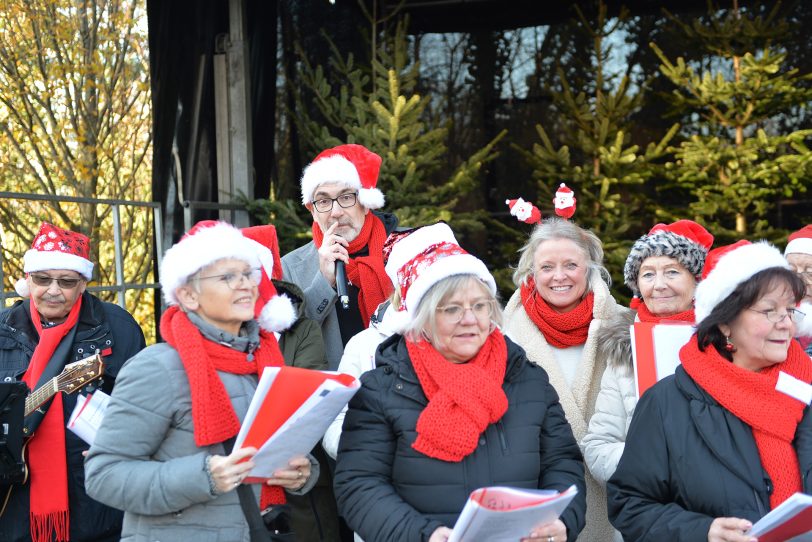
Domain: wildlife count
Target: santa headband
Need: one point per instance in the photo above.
(425, 257)
(800, 242)
(684, 240)
(209, 241)
(727, 267)
(350, 165)
(56, 248)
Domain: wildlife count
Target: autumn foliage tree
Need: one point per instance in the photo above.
(75, 121)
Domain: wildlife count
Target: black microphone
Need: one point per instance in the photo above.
(341, 284)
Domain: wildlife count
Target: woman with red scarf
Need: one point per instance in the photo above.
(662, 271)
(452, 406)
(160, 454)
(561, 303)
(714, 447)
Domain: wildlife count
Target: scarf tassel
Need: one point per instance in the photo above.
(42, 525)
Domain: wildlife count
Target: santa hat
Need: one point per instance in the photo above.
(274, 311)
(207, 242)
(564, 201)
(684, 240)
(56, 248)
(727, 267)
(800, 242)
(352, 165)
(422, 259)
(524, 210)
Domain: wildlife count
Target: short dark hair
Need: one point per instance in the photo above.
(743, 297)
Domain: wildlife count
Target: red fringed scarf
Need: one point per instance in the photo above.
(366, 272)
(464, 398)
(645, 315)
(212, 413)
(561, 330)
(48, 509)
(752, 397)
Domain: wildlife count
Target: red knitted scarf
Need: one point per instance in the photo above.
(213, 415)
(48, 505)
(561, 330)
(366, 272)
(645, 315)
(752, 397)
(464, 398)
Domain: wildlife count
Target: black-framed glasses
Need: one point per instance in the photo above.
(453, 313)
(46, 280)
(325, 205)
(234, 280)
(776, 317)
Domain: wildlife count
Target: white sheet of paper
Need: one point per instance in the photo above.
(783, 513)
(301, 432)
(87, 415)
(477, 523)
(795, 388)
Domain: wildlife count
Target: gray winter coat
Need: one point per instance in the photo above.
(145, 460)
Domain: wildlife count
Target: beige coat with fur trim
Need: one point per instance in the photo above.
(578, 401)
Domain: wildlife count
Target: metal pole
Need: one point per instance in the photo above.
(122, 302)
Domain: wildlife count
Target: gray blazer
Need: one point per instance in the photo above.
(145, 460)
(301, 267)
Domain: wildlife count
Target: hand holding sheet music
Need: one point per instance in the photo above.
(289, 413)
(507, 514)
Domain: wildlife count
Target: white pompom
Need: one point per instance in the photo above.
(278, 314)
(21, 287)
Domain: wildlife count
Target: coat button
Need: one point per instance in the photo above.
(482, 441)
(398, 386)
(8, 379)
(387, 370)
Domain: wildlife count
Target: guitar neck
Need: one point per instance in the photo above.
(38, 397)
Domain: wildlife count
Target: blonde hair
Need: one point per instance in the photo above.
(551, 229)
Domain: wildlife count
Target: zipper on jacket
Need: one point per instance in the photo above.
(761, 511)
(500, 430)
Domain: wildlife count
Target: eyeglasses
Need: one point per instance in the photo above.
(344, 201)
(46, 280)
(775, 317)
(454, 313)
(234, 280)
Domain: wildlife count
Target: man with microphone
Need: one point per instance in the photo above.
(341, 271)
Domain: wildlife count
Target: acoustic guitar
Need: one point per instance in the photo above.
(73, 377)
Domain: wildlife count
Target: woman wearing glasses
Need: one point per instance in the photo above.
(162, 453)
(724, 440)
(451, 407)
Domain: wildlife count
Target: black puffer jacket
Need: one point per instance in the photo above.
(387, 491)
(101, 327)
(687, 461)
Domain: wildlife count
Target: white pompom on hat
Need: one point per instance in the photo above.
(351, 165)
(274, 311)
(56, 248)
(423, 258)
(727, 267)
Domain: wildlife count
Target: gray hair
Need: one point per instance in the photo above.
(424, 321)
(554, 228)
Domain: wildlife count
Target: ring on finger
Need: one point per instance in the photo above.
(551, 538)
(301, 474)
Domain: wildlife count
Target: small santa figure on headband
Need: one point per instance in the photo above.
(524, 210)
(564, 201)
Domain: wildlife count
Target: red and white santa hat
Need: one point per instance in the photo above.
(351, 165)
(800, 242)
(421, 259)
(56, 248)
(209, 241)
(274, 311)
(727, 267)
(524, 211)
